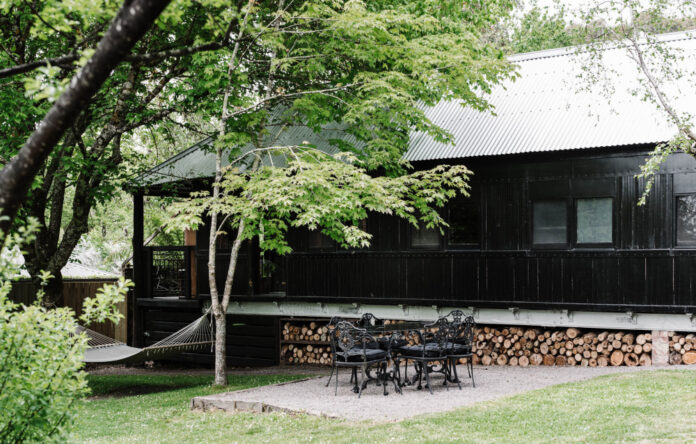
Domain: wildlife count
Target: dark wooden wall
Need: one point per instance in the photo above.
(247, 274)
(642, 270)
(251, 340)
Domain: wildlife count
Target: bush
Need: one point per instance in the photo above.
(41, 359)
(40, 377)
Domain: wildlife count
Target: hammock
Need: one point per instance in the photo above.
(103, 349)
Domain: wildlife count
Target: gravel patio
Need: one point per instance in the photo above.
(311, 396)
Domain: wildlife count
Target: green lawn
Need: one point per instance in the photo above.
(644, 406)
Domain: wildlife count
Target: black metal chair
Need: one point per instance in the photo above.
(354, 349)
(430, 351)
(369, 320)
(460, 345)
(332, 330)
(455, 316)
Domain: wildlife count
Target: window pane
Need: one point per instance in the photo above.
(686, 220)
(425, 237)
(594, 221)
(549, 222)
(464, 222)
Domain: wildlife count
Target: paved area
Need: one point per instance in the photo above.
(312, 397)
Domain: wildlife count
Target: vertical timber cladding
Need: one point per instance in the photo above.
(75, 291)
(251, 340)
(246, 276)
(642, 269)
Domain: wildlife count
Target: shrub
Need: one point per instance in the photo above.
(40, 358)
(40, 377)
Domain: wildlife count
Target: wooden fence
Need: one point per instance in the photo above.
(75, 291)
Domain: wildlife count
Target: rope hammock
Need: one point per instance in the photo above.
(103, 349)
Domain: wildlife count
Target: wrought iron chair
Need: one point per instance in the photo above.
(430, 351)
(460, 345)
(353, 351)
(455, 316)
(332, 330)
(368, 320)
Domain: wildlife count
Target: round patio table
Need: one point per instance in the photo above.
(394, 375)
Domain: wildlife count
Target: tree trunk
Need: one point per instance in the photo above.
(220, 347)
(133, 20)
(53, 291)
(220, 306)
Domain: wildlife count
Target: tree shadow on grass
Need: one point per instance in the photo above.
(114, 386)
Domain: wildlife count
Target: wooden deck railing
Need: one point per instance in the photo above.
(167, 272)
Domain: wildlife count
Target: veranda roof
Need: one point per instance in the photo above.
(545, 109)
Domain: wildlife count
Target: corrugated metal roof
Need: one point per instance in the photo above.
(198, 161)
(542, 110)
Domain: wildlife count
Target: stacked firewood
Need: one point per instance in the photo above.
(518, 346)
(311, 332)
(514, 346)
(315, 351)
(682, 348)
(306, 354)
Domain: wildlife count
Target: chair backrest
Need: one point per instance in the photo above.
(455, 316)
(332, 331)
(436, 334)
(369, 320)
(334, 321)
(348, 337)
(463, 332)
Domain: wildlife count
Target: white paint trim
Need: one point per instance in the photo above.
(511, 316)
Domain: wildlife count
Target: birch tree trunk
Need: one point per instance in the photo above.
(219, 308)
(220, 345)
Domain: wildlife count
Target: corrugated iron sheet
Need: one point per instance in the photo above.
(544, 109)
(199, 160)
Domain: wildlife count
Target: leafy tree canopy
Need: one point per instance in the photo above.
(368, 65)
(43, 44)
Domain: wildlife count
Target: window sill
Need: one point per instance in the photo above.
(594, 248)
(463, 246)
(544, 247)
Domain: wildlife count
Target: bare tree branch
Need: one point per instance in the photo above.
(68, 60)
(267, 99)
(662, 99)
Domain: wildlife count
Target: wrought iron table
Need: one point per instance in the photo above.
(394, 374)
(392, 337)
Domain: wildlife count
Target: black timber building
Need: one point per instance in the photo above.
(552, 234)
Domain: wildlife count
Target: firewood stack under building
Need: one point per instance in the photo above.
(306, 341)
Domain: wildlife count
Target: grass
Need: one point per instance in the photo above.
(657, 406)
(152, 408)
